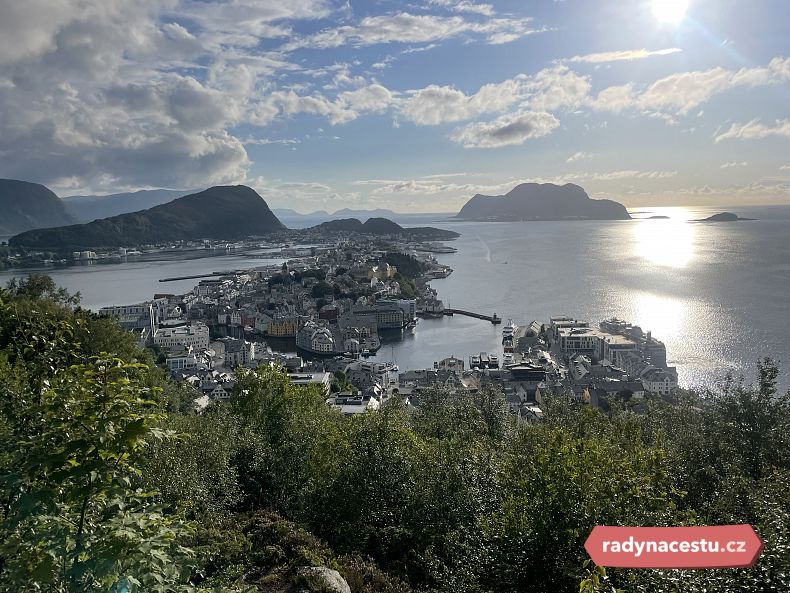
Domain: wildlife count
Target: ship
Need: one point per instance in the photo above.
(507, 359)
(483, 360)
(509, 330)
(493, 361)
(474, 362)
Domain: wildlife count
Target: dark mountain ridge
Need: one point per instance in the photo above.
(221, 212)
(542, 201)
(25, 206)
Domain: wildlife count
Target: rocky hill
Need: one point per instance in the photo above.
(25, 205)
(221, 212)
(542, 201)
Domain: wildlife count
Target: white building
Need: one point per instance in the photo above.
(238, 352)
(354, 404)
(183, 337)
(315, 338)
(322, 380)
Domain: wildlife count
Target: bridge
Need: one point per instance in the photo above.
(490, 318)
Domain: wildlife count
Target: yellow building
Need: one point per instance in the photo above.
(285, 327)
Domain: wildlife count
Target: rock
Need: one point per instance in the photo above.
(321, 578)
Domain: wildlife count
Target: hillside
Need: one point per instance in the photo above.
(87, 208)
(222, 212)
(542, 201)
(383, 226)
(27, 206)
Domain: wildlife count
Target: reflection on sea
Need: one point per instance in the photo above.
(667, 242)
(660, 314)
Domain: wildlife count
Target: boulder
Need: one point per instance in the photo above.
(321, 578)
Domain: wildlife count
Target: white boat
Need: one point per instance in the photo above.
(507, 359)
(474, 362)
(493, 361)
(366, 352)
(483, 360)
(510, 329)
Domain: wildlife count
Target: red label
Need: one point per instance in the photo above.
(725, 546)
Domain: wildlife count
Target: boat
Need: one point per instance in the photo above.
(483, 360)
(366, 352)
(509, 330)
(507, 359)
(493, 361)
(507, 344)
(474, 362)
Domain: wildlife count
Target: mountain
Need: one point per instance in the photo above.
(291, 213)
(542, 201)
(378, 213)
(25, 205)
(228, 212)
(383, 226)
(87, 208)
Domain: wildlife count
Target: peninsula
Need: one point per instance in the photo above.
(542, 201)
(220, 212)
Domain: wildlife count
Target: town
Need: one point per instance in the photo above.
(323, 313)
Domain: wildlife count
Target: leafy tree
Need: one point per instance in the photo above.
(41, 287)
(72, 520)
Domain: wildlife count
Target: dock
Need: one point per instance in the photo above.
(211, 275)
(495, 319)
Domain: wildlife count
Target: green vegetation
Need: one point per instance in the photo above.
(109, 482)
(407, 265)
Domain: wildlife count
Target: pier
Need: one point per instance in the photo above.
(211, 275)
(490, 318)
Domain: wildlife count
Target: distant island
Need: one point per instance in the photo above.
(221, 212)
(542, 201)
(383, 226)
(25, 206)
(722, 217)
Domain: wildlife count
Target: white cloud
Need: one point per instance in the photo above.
(548, 90)
(441, 104)
(754, 130)
(733, 164)
(578, 156)
(465, 6)
(682, 92)
(410, 28)
(506, 130)
(622, 55)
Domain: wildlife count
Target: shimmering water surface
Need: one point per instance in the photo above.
(717, 294)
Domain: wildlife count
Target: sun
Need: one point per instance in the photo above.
(670, 11)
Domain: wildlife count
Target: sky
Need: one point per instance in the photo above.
(413, 106)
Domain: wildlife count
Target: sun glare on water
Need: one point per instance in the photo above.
(670, 11)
